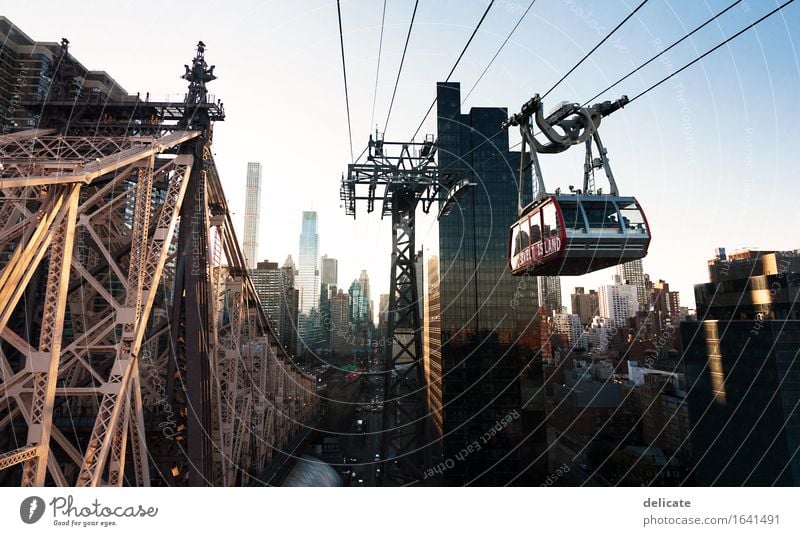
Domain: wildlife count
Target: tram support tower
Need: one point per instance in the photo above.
(400, 183)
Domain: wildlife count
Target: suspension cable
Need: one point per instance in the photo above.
(458, 60)
(378, 68)
(400, 70)
(679, 41)
(617, 27)
(344, 72)
(514, 29)
(684, 67)
(726, 41)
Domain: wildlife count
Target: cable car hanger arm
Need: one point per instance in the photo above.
(578, 124)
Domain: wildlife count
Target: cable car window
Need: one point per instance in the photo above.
(549, 220)
(602, 216)
(514, 239)
(520, 237)
(632, 217)
(573, 216)
(536, 228)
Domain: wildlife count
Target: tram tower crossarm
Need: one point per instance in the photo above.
(412, 172)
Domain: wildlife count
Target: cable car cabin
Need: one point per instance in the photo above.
(577, 234)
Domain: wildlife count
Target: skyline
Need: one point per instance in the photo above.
(581, 281)
(696, 160)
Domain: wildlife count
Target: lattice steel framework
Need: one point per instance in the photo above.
(400, 183)
(133, 348)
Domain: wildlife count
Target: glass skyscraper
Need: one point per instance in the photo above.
(307, 281)
(490, 364)
(252, 206)
(357, 313)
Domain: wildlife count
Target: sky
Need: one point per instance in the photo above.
(708, 154)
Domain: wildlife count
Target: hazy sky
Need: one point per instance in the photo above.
(708, 154)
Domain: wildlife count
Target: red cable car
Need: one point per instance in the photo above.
(580, 232)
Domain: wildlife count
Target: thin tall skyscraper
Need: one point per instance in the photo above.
(366, 306)
(308, 280)
(252, 207)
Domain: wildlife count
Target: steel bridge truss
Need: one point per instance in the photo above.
(133, 347)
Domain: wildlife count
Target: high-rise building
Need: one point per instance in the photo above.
(252, 208)
(341, 342)
(358, 313)
(291, 271)
(586, 306)
(371, 312)
(742, 363)
(330, 271)
(292, 306)
(271, 286)
(308, 283)
(632, 273)
(674, 302)
(618, 302)
(759, 270)
(660, 398)
(664, 305)
(570, 328)
(27, 75)
(366, 298)
(383, 309)
(360, 303)
(359, 307)
(383, 319)
(432, 346)
(491, 371)
(323, 331)
(550, 293)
